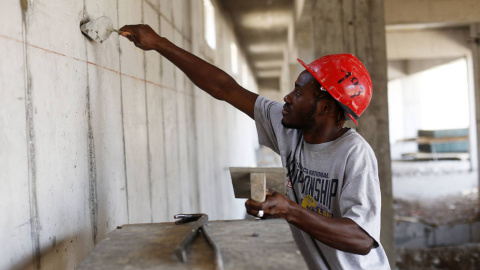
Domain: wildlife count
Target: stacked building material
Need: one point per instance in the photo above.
(443, 141)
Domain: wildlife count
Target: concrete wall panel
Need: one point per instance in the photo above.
(58, 92)
(172, 166)
(154, 98)
(14, 225)
(134, 119)
(166, 9)
(61, 156)
(190, 151)
(179, 11)
(107, 155)
(184, 167)
(117, 135)
(206, 180)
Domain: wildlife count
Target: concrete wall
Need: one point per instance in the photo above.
(93, 135)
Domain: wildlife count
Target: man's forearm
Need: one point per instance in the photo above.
(339, 233)
(211, 79)
(204, 75)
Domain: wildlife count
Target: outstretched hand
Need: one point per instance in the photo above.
(275, 205)
(142, 35)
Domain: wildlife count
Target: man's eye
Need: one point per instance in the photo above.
(297, 93)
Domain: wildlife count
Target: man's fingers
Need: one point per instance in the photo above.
(251, 204)
(125, 28)
(131, 37)
(128, 35)
(270, 192)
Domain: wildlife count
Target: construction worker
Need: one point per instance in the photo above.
(333, 192)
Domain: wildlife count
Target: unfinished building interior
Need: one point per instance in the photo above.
(98, 135)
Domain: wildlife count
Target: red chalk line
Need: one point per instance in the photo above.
(97, 65)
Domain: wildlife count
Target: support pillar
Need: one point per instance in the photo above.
(475, 47)
(358, 27)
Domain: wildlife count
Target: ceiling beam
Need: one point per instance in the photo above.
(431, 11)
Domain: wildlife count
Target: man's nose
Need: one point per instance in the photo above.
(287, 98)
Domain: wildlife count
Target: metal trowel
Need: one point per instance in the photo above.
(99, 29)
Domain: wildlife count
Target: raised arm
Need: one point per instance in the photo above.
(208, 77)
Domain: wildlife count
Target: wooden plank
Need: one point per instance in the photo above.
(436, 156)
(444, 133)
(15, 222)
(244, 244)
(436, 140)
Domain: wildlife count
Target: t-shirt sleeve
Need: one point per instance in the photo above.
(268, 120)
(361, 202)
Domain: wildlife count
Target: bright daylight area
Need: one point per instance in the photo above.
(434, 176)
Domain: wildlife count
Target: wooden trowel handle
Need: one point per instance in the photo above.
(258, 186)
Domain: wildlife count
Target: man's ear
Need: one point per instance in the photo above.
(325, 107)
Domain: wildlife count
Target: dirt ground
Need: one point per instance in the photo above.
(464, 257)
(446, 210)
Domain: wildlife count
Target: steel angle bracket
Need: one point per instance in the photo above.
(200, 221)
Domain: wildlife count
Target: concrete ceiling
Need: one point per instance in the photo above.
(261, 27)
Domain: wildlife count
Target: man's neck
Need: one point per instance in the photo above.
(322, 135)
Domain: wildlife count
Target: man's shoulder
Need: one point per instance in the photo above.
(265, 103)
(354, 141)
(268, 111)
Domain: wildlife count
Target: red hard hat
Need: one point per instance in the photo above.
(346, 80)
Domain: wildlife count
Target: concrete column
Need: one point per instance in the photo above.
(358, 27)
(475, 47)
(303, 37)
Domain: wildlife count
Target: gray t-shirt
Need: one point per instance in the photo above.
(335, 179)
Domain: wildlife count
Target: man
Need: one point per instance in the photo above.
(333, 193)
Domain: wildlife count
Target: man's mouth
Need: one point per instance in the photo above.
(285, 110)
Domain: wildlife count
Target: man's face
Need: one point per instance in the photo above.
(300, 104)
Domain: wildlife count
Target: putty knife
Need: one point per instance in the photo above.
(99, 29)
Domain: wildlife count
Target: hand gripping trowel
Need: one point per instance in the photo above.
(99, 29)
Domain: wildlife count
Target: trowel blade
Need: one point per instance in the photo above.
(99, 29)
